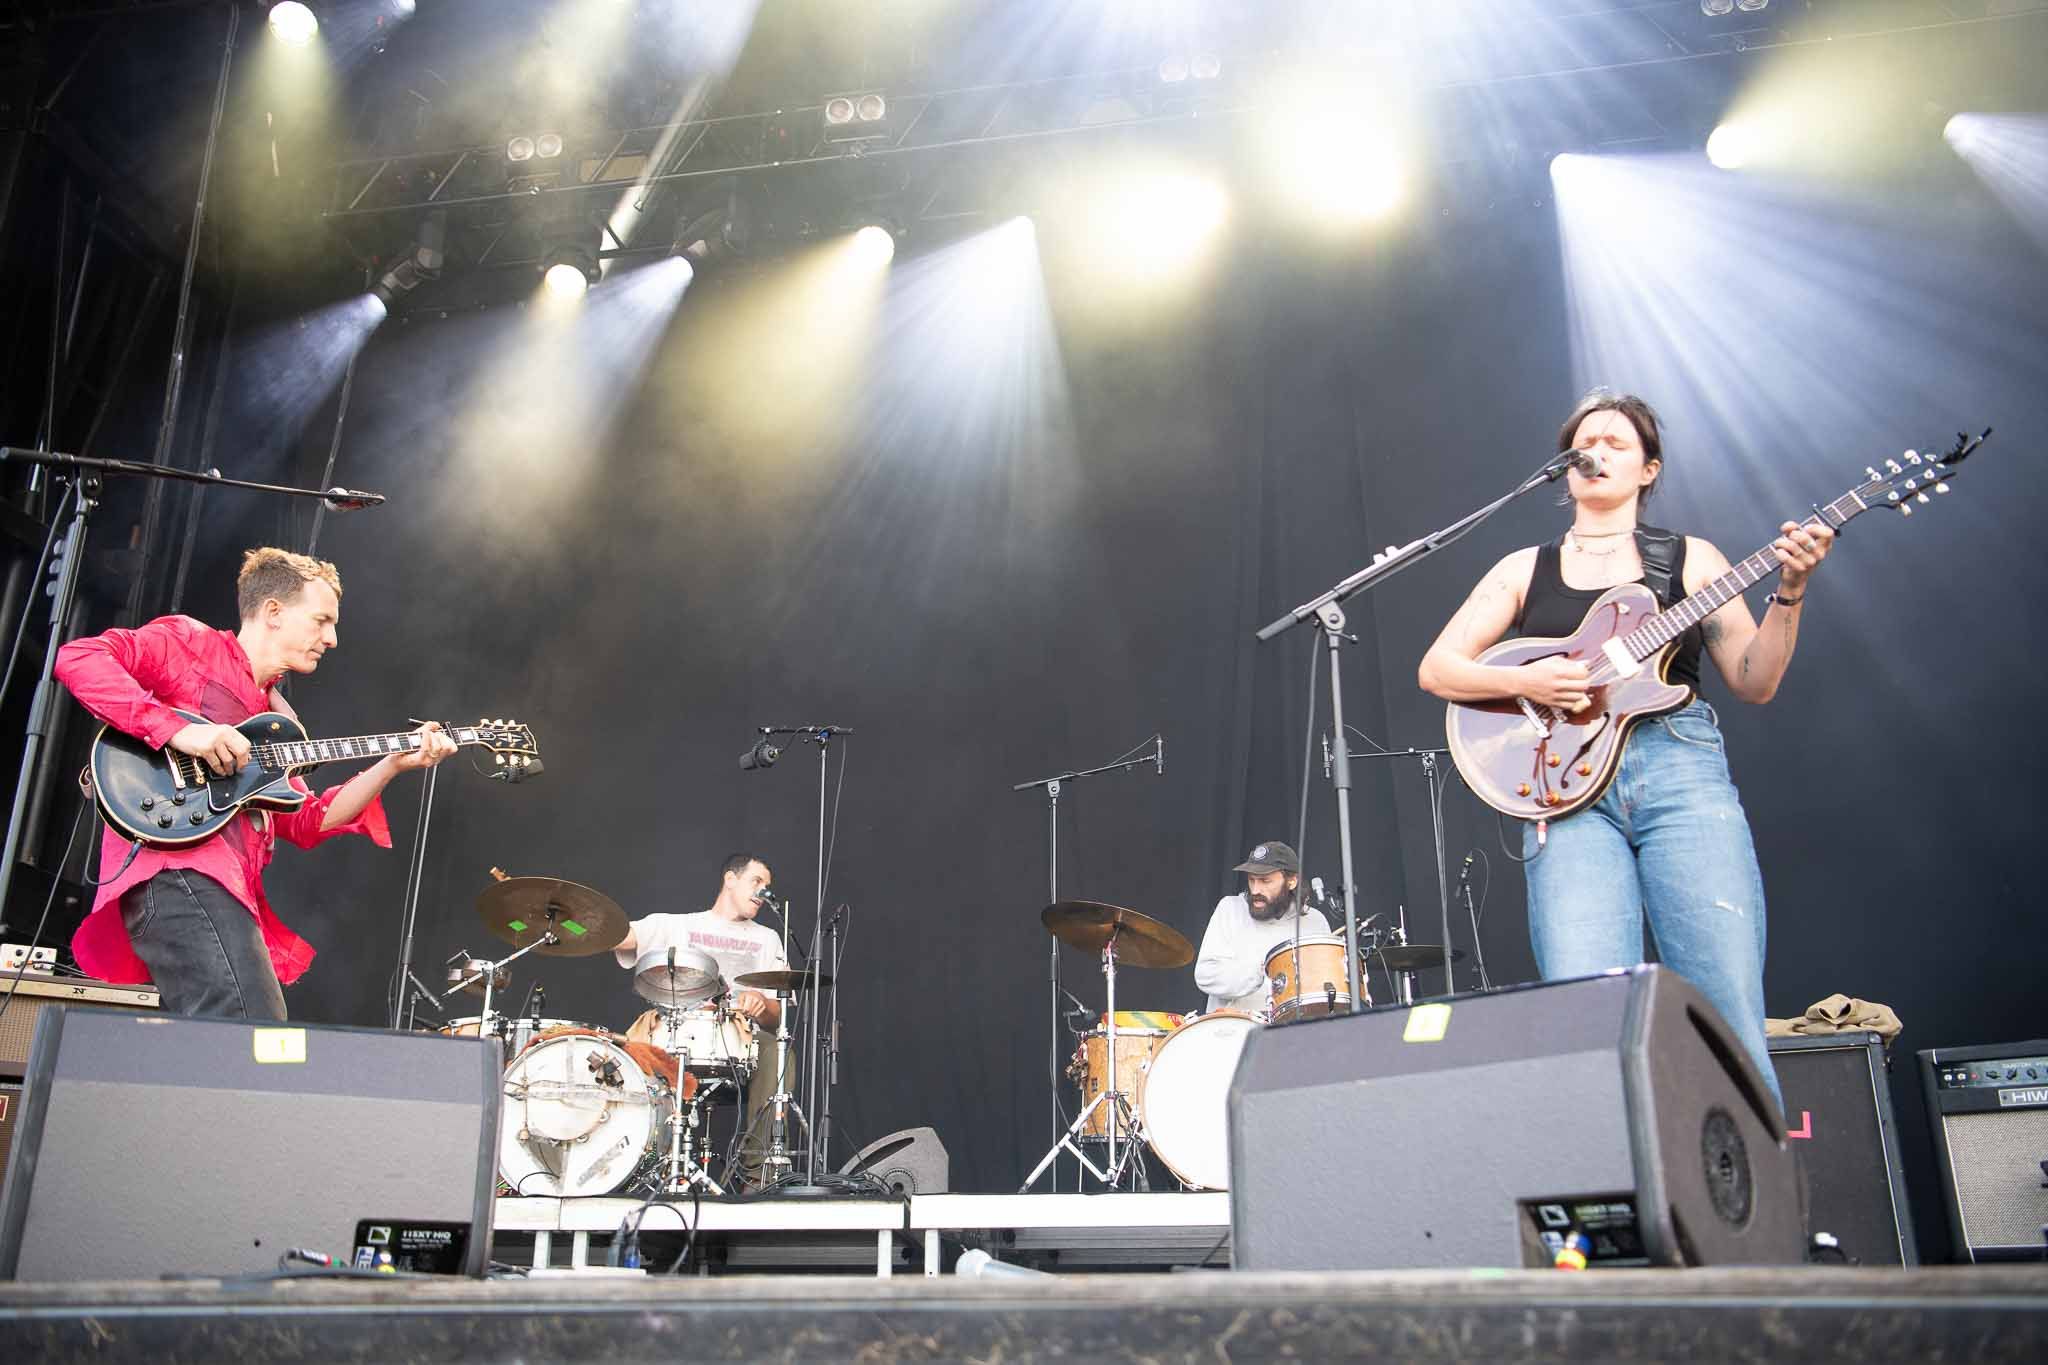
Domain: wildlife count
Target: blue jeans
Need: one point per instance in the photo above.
(202, 947)
(1668, 838)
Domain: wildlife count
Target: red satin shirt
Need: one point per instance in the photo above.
(131, 679)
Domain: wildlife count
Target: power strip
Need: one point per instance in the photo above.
(12, 955)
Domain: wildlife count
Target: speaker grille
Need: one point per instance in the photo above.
(1997, 1160)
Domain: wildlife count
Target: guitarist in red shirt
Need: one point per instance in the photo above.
(1668, 839)
(194, 919)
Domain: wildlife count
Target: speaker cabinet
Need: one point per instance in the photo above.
(1484, 1130)
(1839, 1121)
(1987, 1108)
(912, 1161)
(10, 1111)
(149, 1144)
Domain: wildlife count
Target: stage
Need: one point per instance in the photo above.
(1977, 1314)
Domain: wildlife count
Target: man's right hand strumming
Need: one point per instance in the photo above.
(223, 748)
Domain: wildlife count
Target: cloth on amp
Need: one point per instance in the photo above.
(1839, 1014)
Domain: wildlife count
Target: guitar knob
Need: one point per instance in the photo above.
(163, 821)
(1551, 798)
(1522, 789)
(178, 799)
(1585, 770)
(149, 803)
(198, 817)
(1552, 761)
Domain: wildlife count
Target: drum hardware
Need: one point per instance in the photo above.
(1141, 941)
(786, 984)
(1404, 959)
(580, 1112)
(676, 978)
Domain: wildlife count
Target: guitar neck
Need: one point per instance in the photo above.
(1673, 622)
(307, 753)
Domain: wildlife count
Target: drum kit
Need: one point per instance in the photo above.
(589, 1111)
(1163, 1080)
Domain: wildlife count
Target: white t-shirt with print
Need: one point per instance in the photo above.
(737, 946)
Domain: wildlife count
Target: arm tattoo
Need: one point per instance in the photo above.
(1710, 630)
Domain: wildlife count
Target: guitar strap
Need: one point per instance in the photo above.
(1659, 550)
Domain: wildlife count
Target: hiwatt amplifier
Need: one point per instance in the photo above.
(33, 994)
(150, 1144)
(1501, 1128)
(1987, 1108)
(1839, 1121)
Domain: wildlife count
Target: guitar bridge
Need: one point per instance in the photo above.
(1536, 720)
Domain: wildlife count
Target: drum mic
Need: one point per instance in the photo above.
(1315, 886)
(1326, 757)
(1465, 873)
(1159, 754)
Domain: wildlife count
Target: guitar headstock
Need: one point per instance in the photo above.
(1905, 483)
(515, 753)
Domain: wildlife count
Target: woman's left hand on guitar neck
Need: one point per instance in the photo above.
(1752, 658)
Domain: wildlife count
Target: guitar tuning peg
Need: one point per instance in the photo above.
(1922, 498)
(1912, 457)
(1905, 509)
(1871, 470)
(1941, 488)
(1894, 466)
(1912, 484)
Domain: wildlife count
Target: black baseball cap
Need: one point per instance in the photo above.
(1270, 856)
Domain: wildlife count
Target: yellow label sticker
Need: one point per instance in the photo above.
(279, 1044)
(1426, 1024)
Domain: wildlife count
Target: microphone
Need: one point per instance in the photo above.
(1159, 754)
(1326, 757)
(804, 729)
(540, 999)
(351, 500)
(976, 1264)
(766, 897)
(762, 755)
(1464, 873)
(1589, 463)
(1315, 886)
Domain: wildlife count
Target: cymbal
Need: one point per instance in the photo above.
(521, 910)
(780, 981)
(1141, 941)
(676, 977)
(1416, 957)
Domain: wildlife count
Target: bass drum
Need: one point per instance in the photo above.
(1185, 1095)
(580, 1116)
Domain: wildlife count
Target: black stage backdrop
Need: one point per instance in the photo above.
(985, 609)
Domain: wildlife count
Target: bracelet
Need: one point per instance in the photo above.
(1784, 601)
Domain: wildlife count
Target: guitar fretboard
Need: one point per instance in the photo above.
(1666, 626)
(306, 753)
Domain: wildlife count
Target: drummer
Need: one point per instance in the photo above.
(726, 932)
(1243, 928)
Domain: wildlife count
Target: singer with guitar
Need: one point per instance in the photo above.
(1667, 838)
(193, 917)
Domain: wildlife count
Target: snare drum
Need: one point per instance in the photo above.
(707, 1041)
(1184, 1097)
(580, 1117)
(1135, 1044)
(1308, 978)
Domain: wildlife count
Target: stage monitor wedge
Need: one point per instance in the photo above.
(1484, 1130)
(149, 1145)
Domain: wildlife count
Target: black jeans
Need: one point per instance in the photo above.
(202, 947)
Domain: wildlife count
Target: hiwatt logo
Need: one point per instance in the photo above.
(2008, 1099)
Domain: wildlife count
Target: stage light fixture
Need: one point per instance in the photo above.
(421, 263)
(1730, 146)
(570, 272)
(1714, 9)
(293, 23)
(870, 108)
(1173, 70)
(1752, 6)
(857, 116)
(547, 146)
(519, 149)
(838, 111)
(1205, 66)
(875, 244)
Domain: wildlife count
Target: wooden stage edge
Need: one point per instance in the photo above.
(1978, 1314)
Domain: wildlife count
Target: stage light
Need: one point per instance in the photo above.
(1714, 9)
(870, 108)
(519, 149)
(857, 116)
(293, 23)
(547, 146)
(1730, 146)
(838, 111)
(569, 271)
(1173, 70)
(2009, 154)
(1205, 66)
(422, 262)
(875, 244)
(1751, 6)
(404, 8)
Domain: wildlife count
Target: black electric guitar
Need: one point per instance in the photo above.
(168, 799)
(1542, 763)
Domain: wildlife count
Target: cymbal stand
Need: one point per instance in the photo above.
(683, 1170)
(487, 972)
(1119, 1112)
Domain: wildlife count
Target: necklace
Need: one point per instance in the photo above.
(1578, 542)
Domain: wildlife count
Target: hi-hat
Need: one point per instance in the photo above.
(1141, 941)
(1415, 957)
(524, 910)
(780, 981)
(676, 977)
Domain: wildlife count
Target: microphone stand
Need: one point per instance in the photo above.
(1053, 787)
(1329, 615)
(88, 472)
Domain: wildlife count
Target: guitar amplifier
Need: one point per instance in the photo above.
(1987, 1108)
(10, 1111)
(32, 995)
(1840, 1124)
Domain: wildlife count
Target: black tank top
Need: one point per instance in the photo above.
(1552, 608)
